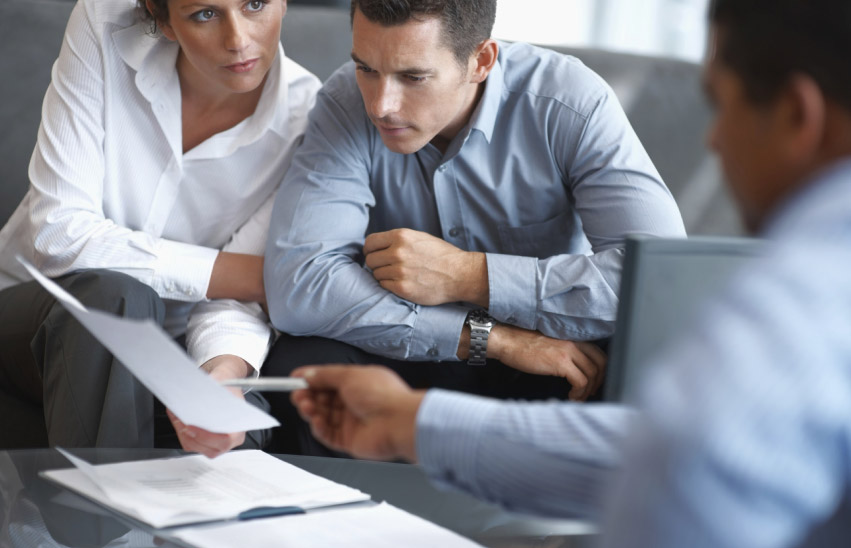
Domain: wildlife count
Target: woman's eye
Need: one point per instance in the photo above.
(203, 15)
(256, 5)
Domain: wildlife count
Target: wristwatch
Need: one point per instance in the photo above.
(480, 324)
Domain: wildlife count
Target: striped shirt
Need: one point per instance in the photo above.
(744, 439)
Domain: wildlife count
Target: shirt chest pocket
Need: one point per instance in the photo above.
(555, 236)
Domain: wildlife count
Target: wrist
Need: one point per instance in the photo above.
(472, 279)
(501, 341)
(227, 367)
(404, 435)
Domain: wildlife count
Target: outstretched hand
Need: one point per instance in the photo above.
(366, 411)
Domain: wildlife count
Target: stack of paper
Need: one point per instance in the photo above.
(195, 489)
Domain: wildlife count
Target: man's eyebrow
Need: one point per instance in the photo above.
(411, 70)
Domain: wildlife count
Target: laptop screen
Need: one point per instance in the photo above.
(664, 283)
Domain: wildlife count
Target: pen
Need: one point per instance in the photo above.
(269, 384)
(269, 511)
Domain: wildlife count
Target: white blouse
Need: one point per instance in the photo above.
(112, 188)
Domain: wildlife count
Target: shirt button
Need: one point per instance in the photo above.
(442, 168)
(455, 232)
(432, 352)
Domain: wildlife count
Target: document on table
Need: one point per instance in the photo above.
(163, 367)
(194, 489)
(380, 526)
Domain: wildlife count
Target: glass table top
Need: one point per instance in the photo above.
(36, 512)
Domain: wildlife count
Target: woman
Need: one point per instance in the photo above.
(165, 131)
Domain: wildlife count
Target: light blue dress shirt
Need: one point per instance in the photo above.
(747, 437)
(547, 179)
(744, 439)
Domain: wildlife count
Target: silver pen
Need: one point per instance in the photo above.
(268, 384)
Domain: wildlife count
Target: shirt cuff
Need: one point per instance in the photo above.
(512, 286)
(449, 427)
(437, 333)
(252, 350)
(183, 271)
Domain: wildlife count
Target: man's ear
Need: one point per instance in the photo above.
(483, 60)
(803, 111)
(162, 25)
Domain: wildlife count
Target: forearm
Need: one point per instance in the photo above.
(549, 458)
(237, 276)
(470, 279)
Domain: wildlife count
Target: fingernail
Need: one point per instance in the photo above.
(309, 373)
(190, 433)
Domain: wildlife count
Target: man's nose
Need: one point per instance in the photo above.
(386, 100)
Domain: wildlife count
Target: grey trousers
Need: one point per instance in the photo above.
(48, 359)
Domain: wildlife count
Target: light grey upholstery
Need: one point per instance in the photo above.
(665, 104)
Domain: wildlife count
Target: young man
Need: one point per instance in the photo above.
(745, 438)
(444, 173)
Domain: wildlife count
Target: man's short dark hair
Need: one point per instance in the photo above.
(466, 23)
(767, 42)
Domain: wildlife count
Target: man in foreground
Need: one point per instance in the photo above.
(745, 433)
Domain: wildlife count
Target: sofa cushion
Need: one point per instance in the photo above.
(31, 31)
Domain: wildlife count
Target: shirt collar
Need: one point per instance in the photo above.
(823, 201)
(484, 117)
(153, 57)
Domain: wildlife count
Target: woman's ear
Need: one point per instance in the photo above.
(162, 24)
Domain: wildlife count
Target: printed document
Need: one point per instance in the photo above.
(164, 368)
(195, 489)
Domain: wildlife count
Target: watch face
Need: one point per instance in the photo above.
(480, 317)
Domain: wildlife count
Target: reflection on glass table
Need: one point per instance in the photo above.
(36, 512)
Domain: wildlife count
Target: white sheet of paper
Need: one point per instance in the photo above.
(191, 489)
(163, 367)
(380, 526)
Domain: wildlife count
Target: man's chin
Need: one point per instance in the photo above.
(402, 146)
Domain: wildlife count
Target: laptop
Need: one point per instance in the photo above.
(664, 283)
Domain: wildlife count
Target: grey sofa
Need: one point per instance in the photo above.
(662, 99)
